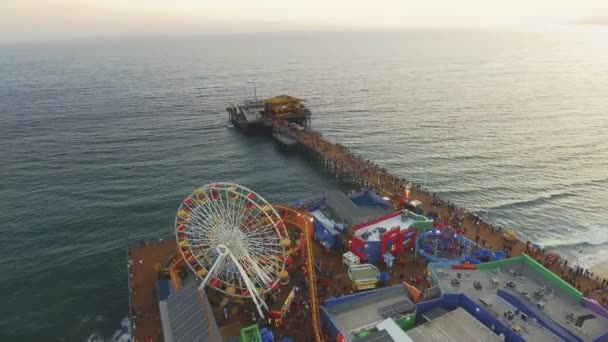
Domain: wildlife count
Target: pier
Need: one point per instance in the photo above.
(355, 170)
(145, 261)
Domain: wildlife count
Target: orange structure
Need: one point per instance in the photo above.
(416, 294)
(176, 279)
(304, 221)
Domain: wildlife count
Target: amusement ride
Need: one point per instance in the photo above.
(444, 246)
(233, 240)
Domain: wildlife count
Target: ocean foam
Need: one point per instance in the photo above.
(121, 335)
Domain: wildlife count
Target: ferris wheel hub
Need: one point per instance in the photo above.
(222, 249)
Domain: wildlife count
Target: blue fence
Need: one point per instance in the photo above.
(163, 289)
(328, 324)
(325, 236)
(373, 251)
(602, 338)
(370, 199)
(453, 301)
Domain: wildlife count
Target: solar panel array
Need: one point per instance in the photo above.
(186, 318)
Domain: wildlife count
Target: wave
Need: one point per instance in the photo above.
(533, 201)
(123, 334)
(471, 157)
(597, 181)
(595, 236)
(583, 254)
(582, 184)
(578, 244)
(589, 260)
(588, 249)
(573, 190)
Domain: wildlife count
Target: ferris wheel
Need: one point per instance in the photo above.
(233, 240)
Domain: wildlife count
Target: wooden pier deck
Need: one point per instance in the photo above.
(143, 301)
(339, 160)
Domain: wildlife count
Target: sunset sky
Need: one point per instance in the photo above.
(47, 19)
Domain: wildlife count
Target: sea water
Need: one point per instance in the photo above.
(102, 139)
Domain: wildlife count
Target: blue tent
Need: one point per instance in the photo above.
(267, 335)
(484, 253)
(385, 277)
(500, 254)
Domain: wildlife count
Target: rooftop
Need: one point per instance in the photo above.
(325, 221)
(187, 316)
(356, 209)
(251, 113)
(454, 326)
(282, 99)
(363, 272)
(401, 219)
(284, 139)
(521, 285)
(388, 222)
(366, 310)
(254, 104)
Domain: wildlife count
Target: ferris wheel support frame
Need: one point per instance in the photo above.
(255, 296)
(224, 251)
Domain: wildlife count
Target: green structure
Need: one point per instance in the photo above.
(379, 315)
(251, 334)
(419, 222)
(521, 290)
(539, 269)
(407, 322)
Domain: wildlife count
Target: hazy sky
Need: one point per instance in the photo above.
(42, 19)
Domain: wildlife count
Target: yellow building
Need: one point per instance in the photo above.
(282, 105)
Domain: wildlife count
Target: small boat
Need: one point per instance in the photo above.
(229, 124)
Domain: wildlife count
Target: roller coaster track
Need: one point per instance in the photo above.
(176, 280)
(304, 222)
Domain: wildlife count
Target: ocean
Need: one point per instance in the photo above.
(102, 139)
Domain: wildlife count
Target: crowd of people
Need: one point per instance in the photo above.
(372, 176)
